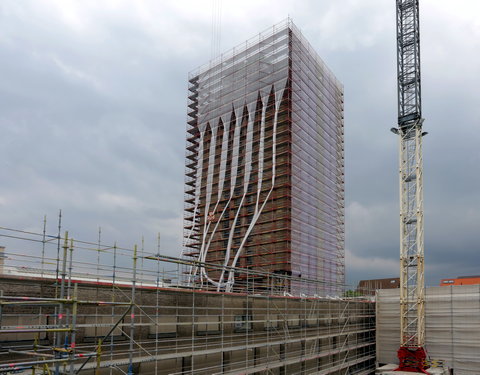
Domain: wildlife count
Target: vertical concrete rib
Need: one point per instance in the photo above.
(231, 274)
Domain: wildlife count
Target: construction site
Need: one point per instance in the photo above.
(259, 287)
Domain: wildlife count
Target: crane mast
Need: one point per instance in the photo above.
(411, 354)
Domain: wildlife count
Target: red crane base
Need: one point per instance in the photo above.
(412, 359)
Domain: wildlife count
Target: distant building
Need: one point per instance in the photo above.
(265, 166)
(461, 280)
(368, 287)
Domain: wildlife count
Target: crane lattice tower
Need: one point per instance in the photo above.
(412, 285)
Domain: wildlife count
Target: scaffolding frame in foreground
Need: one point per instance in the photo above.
(111, 309)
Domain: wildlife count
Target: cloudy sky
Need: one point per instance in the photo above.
(93, 109)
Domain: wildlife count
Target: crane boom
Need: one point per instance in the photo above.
(411, 354)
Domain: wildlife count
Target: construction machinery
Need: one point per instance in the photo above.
(412, 354)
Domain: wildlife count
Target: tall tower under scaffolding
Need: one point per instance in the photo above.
(265, 167)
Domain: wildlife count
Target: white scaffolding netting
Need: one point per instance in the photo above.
(452, 326)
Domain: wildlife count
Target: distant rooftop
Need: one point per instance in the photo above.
(468, 277)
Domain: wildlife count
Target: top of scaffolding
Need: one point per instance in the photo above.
(256, 40)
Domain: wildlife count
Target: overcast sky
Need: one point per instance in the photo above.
(93, 110)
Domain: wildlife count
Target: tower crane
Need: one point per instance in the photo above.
(412, 354)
